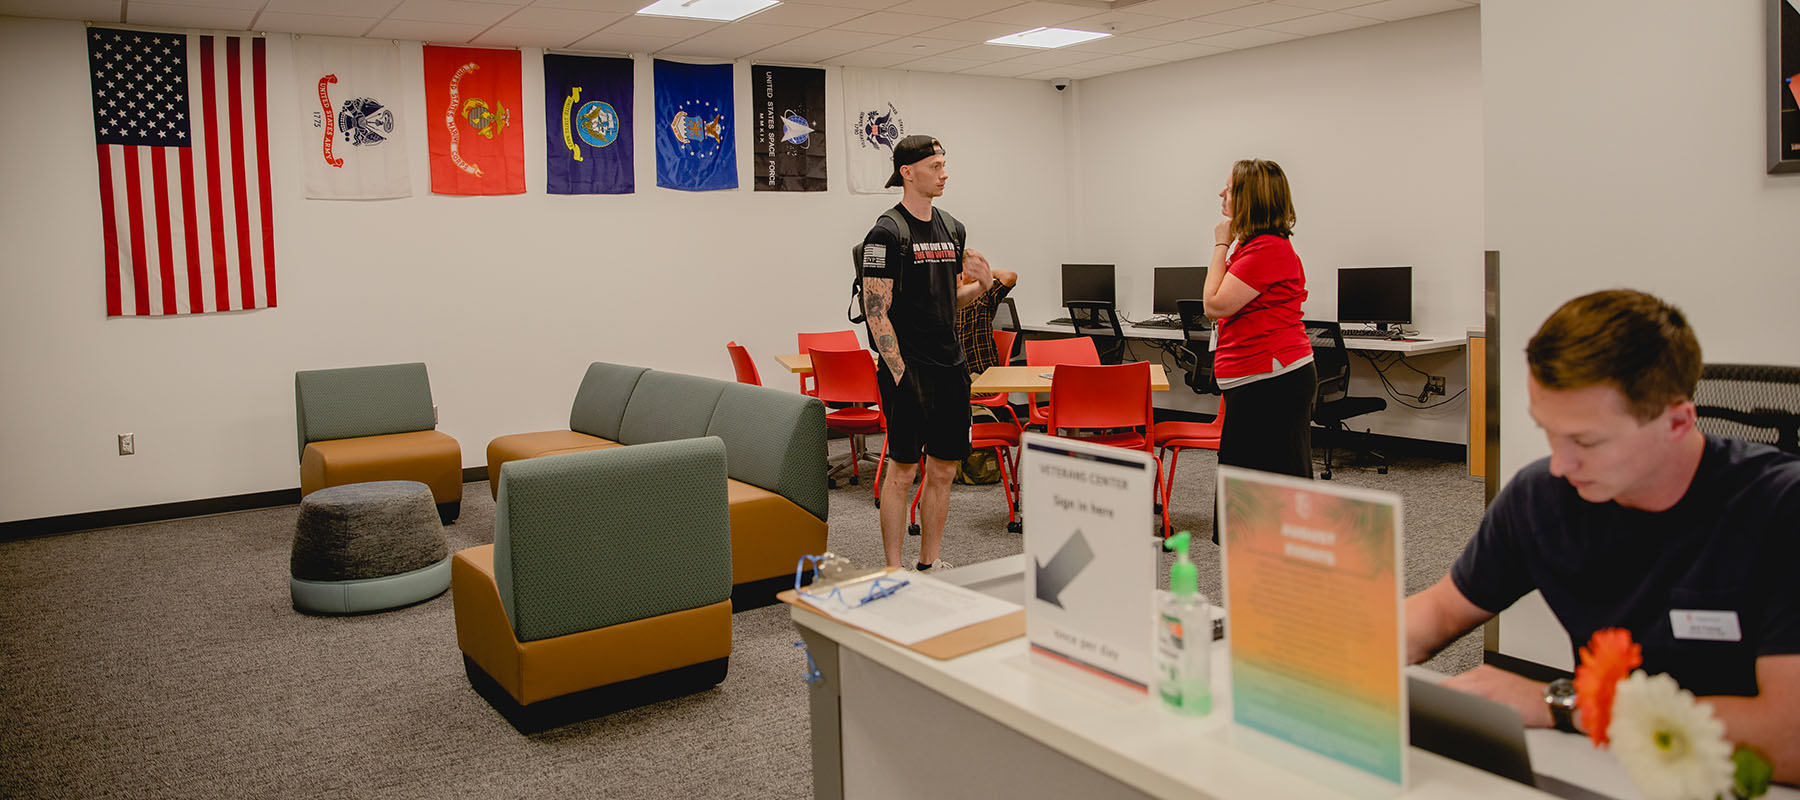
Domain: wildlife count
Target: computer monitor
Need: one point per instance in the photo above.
(1087, 282)
(1379, 295)
(1177, 283)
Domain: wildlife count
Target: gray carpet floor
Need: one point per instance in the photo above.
(164, 660)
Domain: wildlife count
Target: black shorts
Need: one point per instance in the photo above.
(928, 412)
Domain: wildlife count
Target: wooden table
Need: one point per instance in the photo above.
(1031, 379)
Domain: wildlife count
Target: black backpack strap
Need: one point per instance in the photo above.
(903, 237)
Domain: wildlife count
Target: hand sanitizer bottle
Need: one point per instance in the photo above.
(1183, 650)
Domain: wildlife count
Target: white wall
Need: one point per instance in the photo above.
(1625, 147)
(1379, 130)
(506, 299)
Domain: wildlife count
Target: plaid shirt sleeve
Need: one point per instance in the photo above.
(975, 329)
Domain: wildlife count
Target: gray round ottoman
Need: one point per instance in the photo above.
(368, 547)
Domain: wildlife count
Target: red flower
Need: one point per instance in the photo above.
(1607, 659)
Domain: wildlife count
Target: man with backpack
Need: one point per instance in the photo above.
(908, 273)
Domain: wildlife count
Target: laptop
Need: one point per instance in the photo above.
(1474, 730)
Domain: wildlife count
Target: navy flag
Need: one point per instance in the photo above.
(695, 137)
(790, 128)
(589, 105)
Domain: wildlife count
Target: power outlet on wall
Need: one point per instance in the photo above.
(127, 444)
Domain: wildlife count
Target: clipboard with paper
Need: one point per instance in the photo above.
(915, 610)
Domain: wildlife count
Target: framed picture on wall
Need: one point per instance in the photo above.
(1784, 86)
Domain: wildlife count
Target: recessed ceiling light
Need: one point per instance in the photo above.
(720, 10)
(1048, 38)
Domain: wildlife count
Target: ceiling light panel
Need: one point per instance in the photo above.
(718, 10)
(1048, 38)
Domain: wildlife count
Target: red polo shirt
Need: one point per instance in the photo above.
(1269, 325)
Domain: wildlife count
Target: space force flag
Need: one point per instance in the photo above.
(790, 128)
(351, 120)
(696, 140)
(181, 131)
(878, 104)
(588, 102)
(473, 122)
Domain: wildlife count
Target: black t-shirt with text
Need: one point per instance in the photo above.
(924, 303)
(1679, 579)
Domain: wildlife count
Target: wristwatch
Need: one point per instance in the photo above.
(1559, 695)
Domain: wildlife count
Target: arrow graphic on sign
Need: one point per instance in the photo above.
(1068, 562)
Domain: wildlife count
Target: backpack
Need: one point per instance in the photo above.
(958, 234)
(981, 467)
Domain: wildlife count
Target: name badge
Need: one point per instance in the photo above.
(1710, 626)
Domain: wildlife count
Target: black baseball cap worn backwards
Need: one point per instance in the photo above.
(912, 150)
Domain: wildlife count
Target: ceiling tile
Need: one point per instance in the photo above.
(938, 64)
(789, 52)
(575, 21)
(242, 5)
(1116, 22)
(974, 31)
(1117, 45)
(615, 6)
(1321, 24)
(1077, 72)
(609, 42)
(736, 40)
(639, 25)
(917, 46)
(863, 59)
(456, 11)
(337, 8)
(1180, 51)
(1323, 5)
(892, 24)
(807, 14)
(319, 24)
(844, 41)
(960, 9)
(989, 53)
(1036, 14)
(1184, 31)
(1113, 64)
(1000, 69)
(1259, 14)
(547, 38)
(1057, 58)
(1391, 10)
(225, 19)
(414, 30)
(1247, 38)
(1181, 9)
(91, 10)
(867, 5)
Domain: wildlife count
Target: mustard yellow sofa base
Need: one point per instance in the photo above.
(429, 457)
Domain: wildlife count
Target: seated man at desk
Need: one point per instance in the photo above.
(1637, 520)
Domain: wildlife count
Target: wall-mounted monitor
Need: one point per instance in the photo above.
(1379, 295)
(1087, 282)
(1177, 283)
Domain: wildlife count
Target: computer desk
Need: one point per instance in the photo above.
(1414, 345)
(888, 721)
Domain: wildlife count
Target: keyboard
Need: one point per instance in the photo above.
(1368, 335)
(1158, 323)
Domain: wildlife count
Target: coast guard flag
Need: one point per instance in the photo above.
(589, 130)
(696, 140)
(353, 143)
(181, 133)
(473, 123)
(878, 104)
(790, 128)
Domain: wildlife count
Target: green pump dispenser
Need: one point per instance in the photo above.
(1183, 636)
(1184, 578)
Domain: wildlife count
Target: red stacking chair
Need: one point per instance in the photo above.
(1003, 439)
(1106, 397)
(848, 376)
(1003, 343)
(1051, 352)
(745, 366)
(1176, 436)
(833, 340)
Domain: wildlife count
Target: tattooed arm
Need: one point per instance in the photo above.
(878, 297)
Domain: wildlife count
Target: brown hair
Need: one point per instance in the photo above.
(1624, 338)
(1260, 200)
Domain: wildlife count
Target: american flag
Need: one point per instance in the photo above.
(181, 131)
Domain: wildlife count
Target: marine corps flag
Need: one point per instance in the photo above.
(790, 128)
(878, 104)
(351, 121)
(589, 105)
(696, 140)
(473, 122)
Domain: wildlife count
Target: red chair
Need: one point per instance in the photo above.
(1079, 350)
(1177, 436)
(833, 340)
(745, 366)
(848, 376)
(1003, 343)
(1003, 439)
(1106, 397)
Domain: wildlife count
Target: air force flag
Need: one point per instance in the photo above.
(588, 101)
(696, 142)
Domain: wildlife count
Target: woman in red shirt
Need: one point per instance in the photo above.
(1262, 357)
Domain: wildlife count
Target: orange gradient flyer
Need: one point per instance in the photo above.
(1313, 587)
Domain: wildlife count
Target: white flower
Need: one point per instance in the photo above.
(1672, 747)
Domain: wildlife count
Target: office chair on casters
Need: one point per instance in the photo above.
(830, 340)
(1334, 403)
(1195, 356)
(1754, 402)
(848, 377)
(1100, 320)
